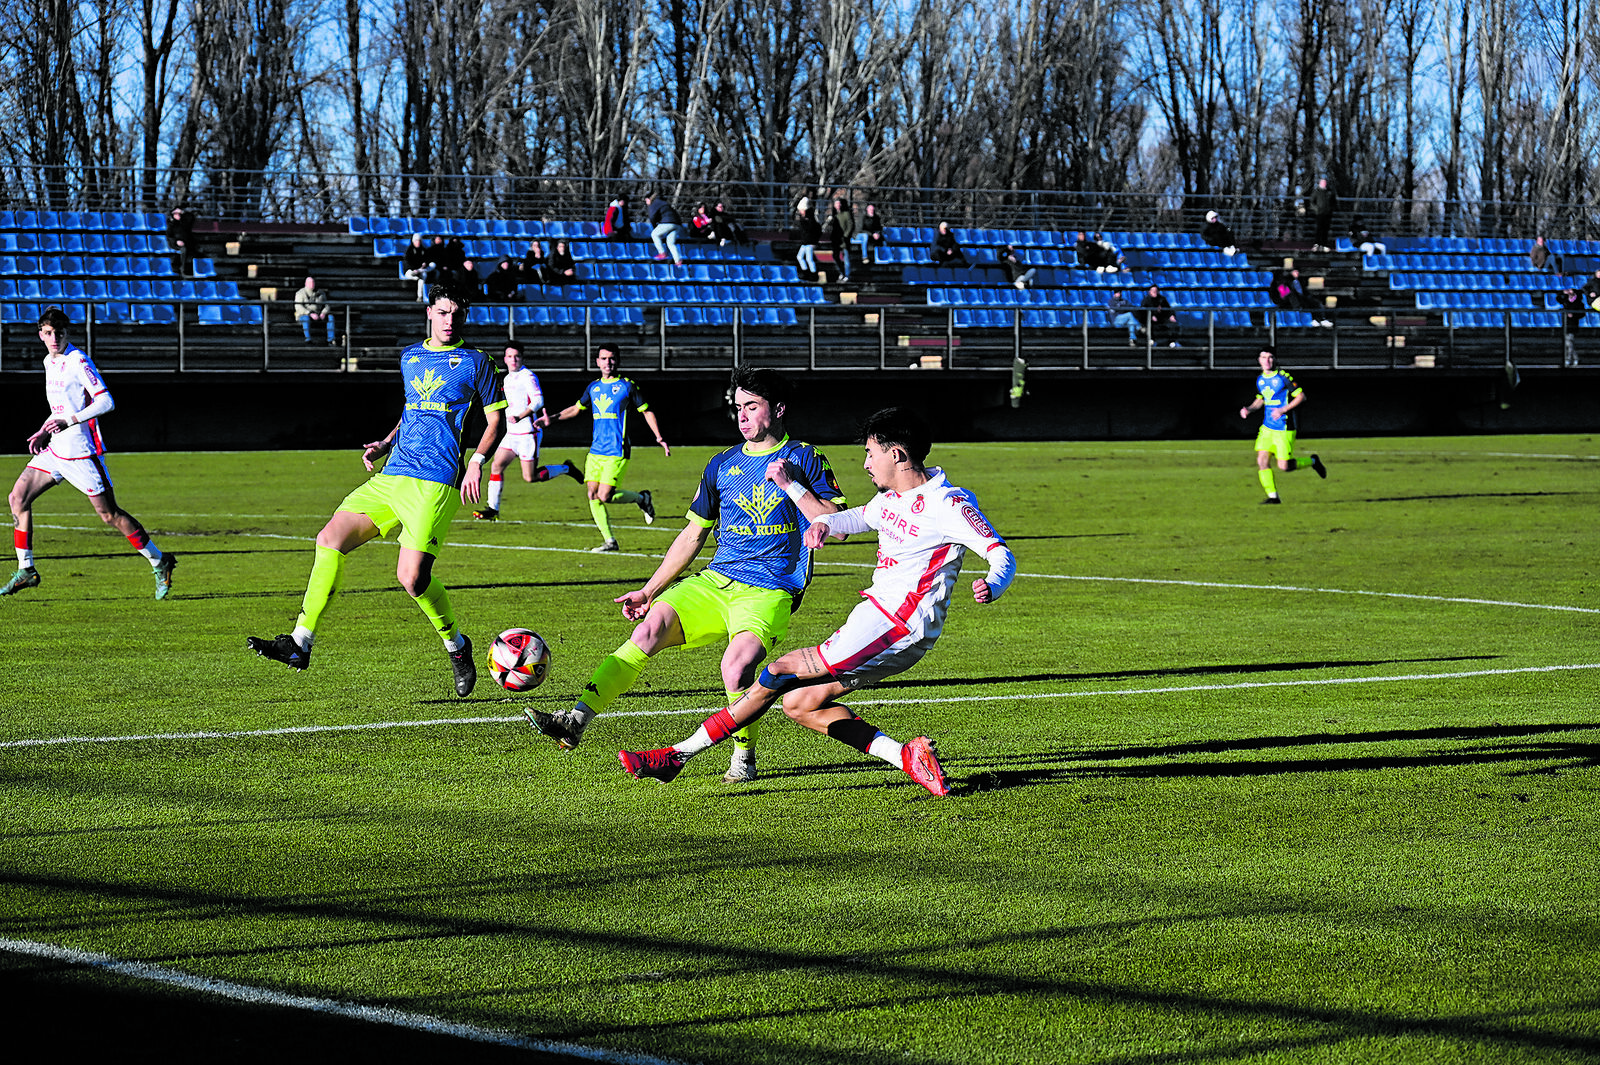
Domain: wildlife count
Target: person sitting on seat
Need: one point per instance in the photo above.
(946, 249)
(1218, 235)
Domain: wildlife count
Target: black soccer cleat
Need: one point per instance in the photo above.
(1271, 501)
(648, 505)
(1316, 464)
(464, 668)
(282, 648)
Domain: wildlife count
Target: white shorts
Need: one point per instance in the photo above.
(526, 445)
(87, 474)
(873, 645)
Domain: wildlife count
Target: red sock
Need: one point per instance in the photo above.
(720, 725)
(22, 540)
(140, 540)
(541, 474)
(493, 477)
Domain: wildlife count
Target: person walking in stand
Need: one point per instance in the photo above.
(610, 398)
(417, 490)
(758, 497)
(925, 526)
(68, 447)
(1277, 392)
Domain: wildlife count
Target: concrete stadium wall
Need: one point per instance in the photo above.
(168, 412)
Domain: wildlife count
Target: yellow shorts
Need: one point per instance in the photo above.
(605, 469)
(422, 509)
(711, 607)
(1278, 441)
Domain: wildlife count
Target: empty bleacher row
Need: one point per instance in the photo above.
(602, 314)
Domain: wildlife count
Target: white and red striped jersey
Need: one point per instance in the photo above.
(923, 535)
(74, 389)
(522, 393)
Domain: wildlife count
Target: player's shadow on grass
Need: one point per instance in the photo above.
(1177, 671)
(1472, 495)
(1516, 746)
(387, 589)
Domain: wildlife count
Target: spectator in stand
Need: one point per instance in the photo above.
(560, 268)
(700, 223)
(451, 255)
(946, 248)
(311, 305)
(501, 286)
(1573, 311)
(1097, 254)
(1323, 204)
(417, 264)
(1218, 235)
(1364, 241)
(1541, 259)
(533, 263)
(1019, 273)
(1112, 255)
(1122, 316)
(1591, 292)
(180, 234)
(1286, 293)
(723, 227)
(871, 235)
(842, 233)
(1160, 318)
(807, 234)
(618, 224)
(664, 227)
(463, 281)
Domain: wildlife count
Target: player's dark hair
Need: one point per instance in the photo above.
(445, 292)
(512, 345)
(56, 319)
(1268, 349)
(763, 381)
(898, 427)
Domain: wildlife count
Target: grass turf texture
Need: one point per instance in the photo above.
(1172, 837)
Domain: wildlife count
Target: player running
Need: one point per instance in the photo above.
(925, 525)
(68, 447)
(525, 422)
(1277, 392)
(610, 398)
(417, 490)
(759, 497)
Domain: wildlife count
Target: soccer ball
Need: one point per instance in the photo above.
(519, 660)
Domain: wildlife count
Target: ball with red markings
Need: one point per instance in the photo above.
(519, 660)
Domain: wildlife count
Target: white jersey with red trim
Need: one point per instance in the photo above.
(523, 393)
(73, 386)
(923, 535)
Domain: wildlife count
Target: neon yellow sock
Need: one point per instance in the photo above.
(327, 573)
(1268, 482)
(435, 603)
(614, 676)
(745, 738)
(598, 510)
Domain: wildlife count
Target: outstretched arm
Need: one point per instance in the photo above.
(655, 427)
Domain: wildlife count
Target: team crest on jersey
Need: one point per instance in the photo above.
(455, 361)
(975, 520)
(917, 505)
(760, 503)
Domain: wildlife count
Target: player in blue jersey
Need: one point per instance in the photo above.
(1279, 395)
(421, 487)
(610, 398)
(759, 497)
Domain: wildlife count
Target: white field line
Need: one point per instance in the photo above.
(295, 730)
(418, 1022)
(1035, 576)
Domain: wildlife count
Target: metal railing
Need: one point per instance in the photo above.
(301, 197)
(820, 338)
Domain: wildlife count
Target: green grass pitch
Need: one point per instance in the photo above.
(1231, 783)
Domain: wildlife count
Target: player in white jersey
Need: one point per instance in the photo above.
(925, 526)
(68, 447)
(525, 422)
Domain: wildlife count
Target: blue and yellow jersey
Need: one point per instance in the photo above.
(609, 399)
(1276, 389)
(440, 385)
(759, 528)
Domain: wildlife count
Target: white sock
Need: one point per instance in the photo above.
(152, 552)
(304, 637)
(887, 749)
(24, 558)
(496, 486)
(452, 642)
(700, 741)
